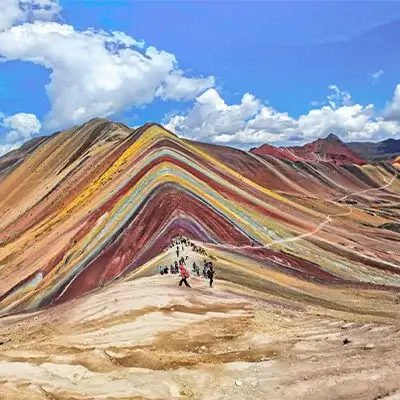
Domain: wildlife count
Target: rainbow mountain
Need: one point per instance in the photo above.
(82, 208)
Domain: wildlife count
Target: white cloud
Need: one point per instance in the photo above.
(376, 75)
(177, 87)
(392, 111)
(18, 128)
(251, 122)
(22, 127)
(95, 73)
(17, 11)
(210, 116)
(338, 97)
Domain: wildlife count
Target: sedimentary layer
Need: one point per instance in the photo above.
(93, 203)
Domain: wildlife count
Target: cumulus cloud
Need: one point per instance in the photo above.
(18, 128)
(252, 123)
(177, 87)
(211, 116)
(17, 11)
(392, 111)
(376, 75)
(96, 73)
(21, 127)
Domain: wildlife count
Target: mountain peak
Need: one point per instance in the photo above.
(333, 138)
(331, 150)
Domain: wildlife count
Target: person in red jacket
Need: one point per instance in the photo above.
(184, 276)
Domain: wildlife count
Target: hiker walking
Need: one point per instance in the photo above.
(211, 273)
(177, 251)
(184, 276)
(197, 269)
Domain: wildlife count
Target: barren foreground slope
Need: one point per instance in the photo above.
(147, 338)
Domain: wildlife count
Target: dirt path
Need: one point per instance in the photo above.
(316, 230)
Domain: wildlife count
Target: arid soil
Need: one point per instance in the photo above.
(147, 338)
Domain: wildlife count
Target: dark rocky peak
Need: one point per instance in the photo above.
(333, 138)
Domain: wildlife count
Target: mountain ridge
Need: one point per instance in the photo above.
(81, 211)
(330, 149)
(333, 149)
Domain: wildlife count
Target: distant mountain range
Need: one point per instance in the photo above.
(385, 150)
(333, 150)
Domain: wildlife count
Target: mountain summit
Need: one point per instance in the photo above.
(331, 150)
(333, 138)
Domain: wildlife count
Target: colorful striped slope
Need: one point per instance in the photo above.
(87, 205)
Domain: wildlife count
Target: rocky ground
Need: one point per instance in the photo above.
(147, 338)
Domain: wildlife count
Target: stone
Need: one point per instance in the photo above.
(346, 341)
(369, 346)
(238, 383)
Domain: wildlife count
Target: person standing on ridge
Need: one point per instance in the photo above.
(205, 269)
(196, 269)
(211, 273)
(184, 276)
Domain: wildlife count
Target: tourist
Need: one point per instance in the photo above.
(210, 274)
(184, 276)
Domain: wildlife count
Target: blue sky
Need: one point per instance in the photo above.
(335, 58)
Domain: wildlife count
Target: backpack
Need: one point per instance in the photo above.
(186, 273)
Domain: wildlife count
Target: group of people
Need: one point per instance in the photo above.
(179, 266)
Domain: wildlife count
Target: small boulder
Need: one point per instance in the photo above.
(238, 383)
(369, 346)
